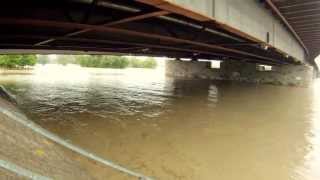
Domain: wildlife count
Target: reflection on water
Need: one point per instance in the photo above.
(175, 129)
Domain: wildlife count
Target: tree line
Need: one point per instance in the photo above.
(96, 61)
(17, 61)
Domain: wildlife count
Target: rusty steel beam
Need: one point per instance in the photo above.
(143, 45)
(127, 50)
(99, 50)
(117, 22)
(283, 19)
(175, 8)
(238, 44)
(67, 25)
(90, 40)
(113, 50)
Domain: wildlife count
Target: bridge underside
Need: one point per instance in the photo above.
(140, 27)
(303, 17)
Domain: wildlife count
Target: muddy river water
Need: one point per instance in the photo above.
(178, 129)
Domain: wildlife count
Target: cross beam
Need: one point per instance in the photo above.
(117, 22)
(135, 44)
(67, 25)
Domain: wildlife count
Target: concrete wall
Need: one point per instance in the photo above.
(295, 75)
(188, 69)
(251, 17)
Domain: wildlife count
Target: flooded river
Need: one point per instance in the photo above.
(178, 129)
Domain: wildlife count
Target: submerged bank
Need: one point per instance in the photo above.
(25, 153)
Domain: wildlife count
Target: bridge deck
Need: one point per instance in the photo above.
(141, 27)
(303, 17)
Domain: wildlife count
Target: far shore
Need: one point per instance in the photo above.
(23, 71)
(34, 69)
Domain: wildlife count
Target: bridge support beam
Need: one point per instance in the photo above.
(289, 75)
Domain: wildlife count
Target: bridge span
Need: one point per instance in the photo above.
(241, 33)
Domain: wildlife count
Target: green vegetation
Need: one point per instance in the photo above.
(66, 59)
(17, 61)
(104, 61)
(99, 61)
(96, 61)
(146, 63)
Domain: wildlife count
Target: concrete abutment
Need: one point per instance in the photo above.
(290, 75)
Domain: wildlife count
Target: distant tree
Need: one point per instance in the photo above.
(115, 62)
(101, 61)
(119, 62)
(146, 63)
(43, 59)
(17, 61)
(87, 60)
(65, 59)
(149, 63)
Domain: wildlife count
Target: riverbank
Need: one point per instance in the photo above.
(30, 152)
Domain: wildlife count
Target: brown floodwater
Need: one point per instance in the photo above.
(178, 129)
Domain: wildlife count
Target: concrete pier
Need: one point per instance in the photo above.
(290, 75)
